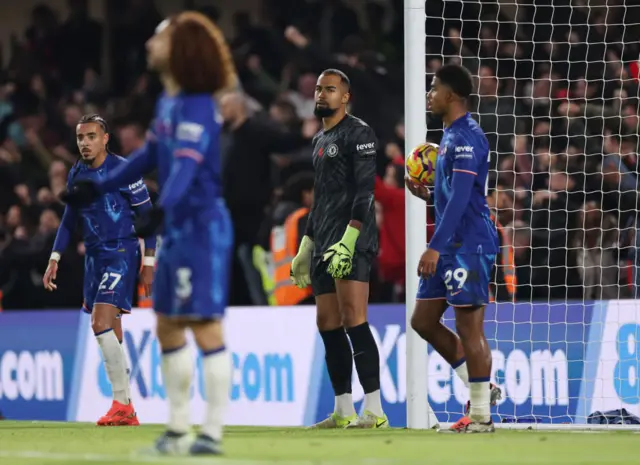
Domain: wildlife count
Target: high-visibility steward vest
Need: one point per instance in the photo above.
(143, 300)
(284, 247)
(506, 262)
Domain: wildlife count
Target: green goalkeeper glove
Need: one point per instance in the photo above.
(340, 255)
(301, 264)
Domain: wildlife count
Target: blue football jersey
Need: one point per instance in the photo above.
(189, 126)
(107, 223)
(465, 148)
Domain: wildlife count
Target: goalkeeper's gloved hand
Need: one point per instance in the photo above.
(340, 255)
(81, 193)
(301, 264)
(149, 221)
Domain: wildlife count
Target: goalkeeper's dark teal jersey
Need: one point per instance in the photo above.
(463, 220)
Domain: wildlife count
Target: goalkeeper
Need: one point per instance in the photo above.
(336, 252)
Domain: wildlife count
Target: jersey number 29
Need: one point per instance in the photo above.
(459, 275)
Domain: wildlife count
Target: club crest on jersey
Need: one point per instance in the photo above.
(443, 151)
(332, 150)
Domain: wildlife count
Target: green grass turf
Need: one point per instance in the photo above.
(30, 443)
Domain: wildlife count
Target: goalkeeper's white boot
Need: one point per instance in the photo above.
(369, 421)
(335, 421)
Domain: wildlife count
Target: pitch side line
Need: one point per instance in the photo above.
(99, 458)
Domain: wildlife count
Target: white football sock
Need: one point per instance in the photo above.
(114, 365)
(463, 373)
(216, 370)
(344, 405)
(177, 372)
(480, 400)
(373, 404)
(127, 370)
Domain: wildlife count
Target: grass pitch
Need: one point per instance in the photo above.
(30, 443)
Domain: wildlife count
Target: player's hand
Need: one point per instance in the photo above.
(50, 276)
(146, 279)
(301, 265)
(82, 192)
(428, 263)
(293, 35)
(417, 189)
(148, 222)
(340, 255)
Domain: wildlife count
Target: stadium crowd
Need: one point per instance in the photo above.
(559, 103)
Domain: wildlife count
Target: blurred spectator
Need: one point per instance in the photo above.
(248, 142)
(389, 195)
(559, 103)
(289, 222)
(504, 285)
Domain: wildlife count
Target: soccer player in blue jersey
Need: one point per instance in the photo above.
(455, 270)
(191, 286)
(112, 257)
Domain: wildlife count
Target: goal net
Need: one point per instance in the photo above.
(557, 96)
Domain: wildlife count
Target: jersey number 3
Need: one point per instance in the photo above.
(183, 286)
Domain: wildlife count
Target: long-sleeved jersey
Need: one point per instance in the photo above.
(107, 223)
(344, 158)
(183, 144)
(463, 220)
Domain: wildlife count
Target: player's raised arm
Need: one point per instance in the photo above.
(465, 169)
(140, 162)
(192, 139)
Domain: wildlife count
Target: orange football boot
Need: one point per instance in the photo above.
(119, 415)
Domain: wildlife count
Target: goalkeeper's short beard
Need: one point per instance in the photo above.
(324, 112)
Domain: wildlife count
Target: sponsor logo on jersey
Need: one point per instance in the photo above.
(367, 147)
(189, 132)
(137, 187)
(464, 152)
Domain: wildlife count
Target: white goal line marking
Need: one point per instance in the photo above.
(139, 458)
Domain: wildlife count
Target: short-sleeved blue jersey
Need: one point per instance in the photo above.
(465, 148)
(107, 223)
(189, 126)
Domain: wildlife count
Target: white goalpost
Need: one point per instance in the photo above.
(419, 413)
(558, 97)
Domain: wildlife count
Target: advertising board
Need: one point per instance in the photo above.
(557, 363)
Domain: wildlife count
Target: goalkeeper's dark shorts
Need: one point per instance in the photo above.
(323, 283)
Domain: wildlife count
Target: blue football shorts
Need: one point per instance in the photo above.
(463, 280)
(110, 278)
(193, 271)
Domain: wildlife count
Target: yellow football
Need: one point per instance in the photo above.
(421, 163)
